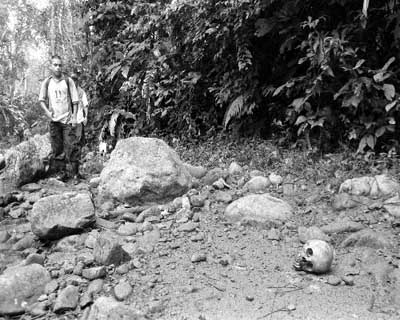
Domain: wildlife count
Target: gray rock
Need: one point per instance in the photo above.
(235, 169)
(333, 280)
(198, 257)
(58, 216)
(122, 290)
(70, 244)
(273, 234)
(24, 163)
(21, 285)
(188, 227)
(106, 224)
(392, 206)
(195, 171)
(95, 286)
(367, 238)
(94, 273)
(275, 179)
(214, 175)
(107, 308)
(31, 187)
(150, 212)
(148, 241)
(91, 239)
(17, 213)
(261, 209)
(340, 226)
(256, 173)
(34, 258)
(67, 299)
(377, 186)
(343, 201)
(122, 269)
(257, 184)
(197, 200)
(128, 229)
(94, 182)
(311, 233)
(85, 300)
(38, 309)
(143, 170)
(129, 216)
(223, 196)
(108, 250)
(51, 287)
(32, 198)
(4, 235)
(348, 280)
(26, 242)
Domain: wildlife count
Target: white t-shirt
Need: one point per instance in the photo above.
(82, 108)
(57, 93)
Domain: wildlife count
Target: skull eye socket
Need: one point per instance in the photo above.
(309, 252)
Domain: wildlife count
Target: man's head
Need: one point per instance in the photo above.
(56, 66)
(76, 75)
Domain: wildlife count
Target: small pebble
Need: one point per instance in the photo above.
(249, 298)
(198, 257)
(333, 280)
(122, 269)
(51, 287)
(291, 307)
(34, 258)
(43, 297)
(348, 280)
(94, 273)
(122, 290)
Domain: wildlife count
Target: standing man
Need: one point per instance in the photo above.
(82, 113)
(59, 100)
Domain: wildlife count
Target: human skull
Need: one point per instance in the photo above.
(316, 257)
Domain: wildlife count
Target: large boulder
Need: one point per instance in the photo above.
(143, 170)
(106, 308)
(20, 287)
(57, 216)
(375, 187)
(259, 209)
(368, 238)
(108, 250)
(24, 163)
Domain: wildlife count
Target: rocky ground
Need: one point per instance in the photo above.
(207, 254)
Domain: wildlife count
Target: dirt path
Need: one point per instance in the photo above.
(218, 270)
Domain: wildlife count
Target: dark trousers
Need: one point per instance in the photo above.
(64, 147)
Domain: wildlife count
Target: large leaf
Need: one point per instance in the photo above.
(300, 120)
(388, 63)
(233, 110)
(113, 123)
(389, 91)
(264, 26)
(365, 8)
(113, 73)
(298, 103)
(390, 106)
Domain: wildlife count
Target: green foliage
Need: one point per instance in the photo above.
(323, 70)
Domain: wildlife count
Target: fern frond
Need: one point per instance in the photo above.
(235, 110)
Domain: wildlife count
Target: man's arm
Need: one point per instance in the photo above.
(75, 100)
(46, 110)
(85, 104)
(42, 100)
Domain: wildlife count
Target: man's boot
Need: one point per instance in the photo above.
(75, 172)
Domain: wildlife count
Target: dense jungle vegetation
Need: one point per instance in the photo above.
(315, 74)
